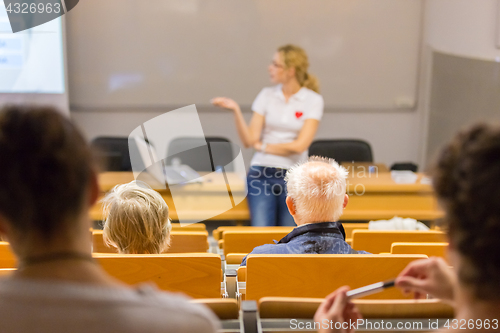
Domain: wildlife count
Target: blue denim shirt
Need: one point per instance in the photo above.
(321, 238)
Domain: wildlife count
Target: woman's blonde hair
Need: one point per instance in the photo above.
(137, 219)
(295, 57)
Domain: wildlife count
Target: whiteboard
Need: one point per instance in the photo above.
(155, 53)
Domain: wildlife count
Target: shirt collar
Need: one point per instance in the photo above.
(299, 95)
(327, 227)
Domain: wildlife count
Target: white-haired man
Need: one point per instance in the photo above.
(316, 198)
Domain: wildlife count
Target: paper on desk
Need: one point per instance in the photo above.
(404, 176)
(397, 223)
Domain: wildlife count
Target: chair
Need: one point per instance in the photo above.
(405, 166)
(235, 258)
(429, 249)
(342, 150)
(190, 227)
(244, 241)
(317, 275)
(350, 227)
(188, 241)
(180, 242)
(219, 232)
(305, 308)
(112, 153)
(224, 308)
(197, 275)
(375, 241)
(7, 258)
(202, 154)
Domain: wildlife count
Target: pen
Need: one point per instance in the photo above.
(370, 289)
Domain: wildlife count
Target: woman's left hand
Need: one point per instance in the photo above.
(257, 146)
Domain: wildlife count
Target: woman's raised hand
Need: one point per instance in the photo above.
(226, 103)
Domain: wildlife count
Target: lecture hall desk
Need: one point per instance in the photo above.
(371, 196)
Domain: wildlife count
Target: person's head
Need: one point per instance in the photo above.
(47, 179)
(316, 190)
(137, 219)
(466, 179)
(290, 62)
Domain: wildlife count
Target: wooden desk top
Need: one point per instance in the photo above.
(383, 182)
(210, 182)
(359, 166)
(214, 182)
(381, 197)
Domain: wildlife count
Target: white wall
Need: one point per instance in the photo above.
(458, 27)
(394, 135)
(463, 27)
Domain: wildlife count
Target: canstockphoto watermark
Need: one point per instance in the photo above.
(162, 148)
(360, 324)
(395, 325)
(258, 187)
(26, 14)
(265, 181)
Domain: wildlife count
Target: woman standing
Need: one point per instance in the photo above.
(284, 122)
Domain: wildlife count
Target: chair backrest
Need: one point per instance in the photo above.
(245, 238)
(224, 308)
(197, 275)
(6, 271)
(235, 258)
(405, 166)
(7, 258)
(188, 241)
(244, 241)
(219, 232)
(350, 227)
(375, 241)
(429, 249)
(342, 150)
(202, 154)
(180, 242)
(113, 153)
(317, 275)
(190, 227)
(305, 308)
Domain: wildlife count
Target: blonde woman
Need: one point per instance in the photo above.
(137, 219)
(284, 122)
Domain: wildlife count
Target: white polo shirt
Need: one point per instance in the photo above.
(284, 120)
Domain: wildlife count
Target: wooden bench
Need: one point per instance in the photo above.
(350, 227)
(198, 275)
(244, 241)
(429, 249)
(375, 241)
(190, 227)
(305, 308)
(224, 308)
(317, 275)
(219, 232)
(180, 242)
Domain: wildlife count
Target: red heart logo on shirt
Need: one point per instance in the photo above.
(298, 114)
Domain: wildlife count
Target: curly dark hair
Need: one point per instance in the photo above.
(45, 169)
(467, 182)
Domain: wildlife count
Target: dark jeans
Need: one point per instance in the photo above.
(266, 197)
